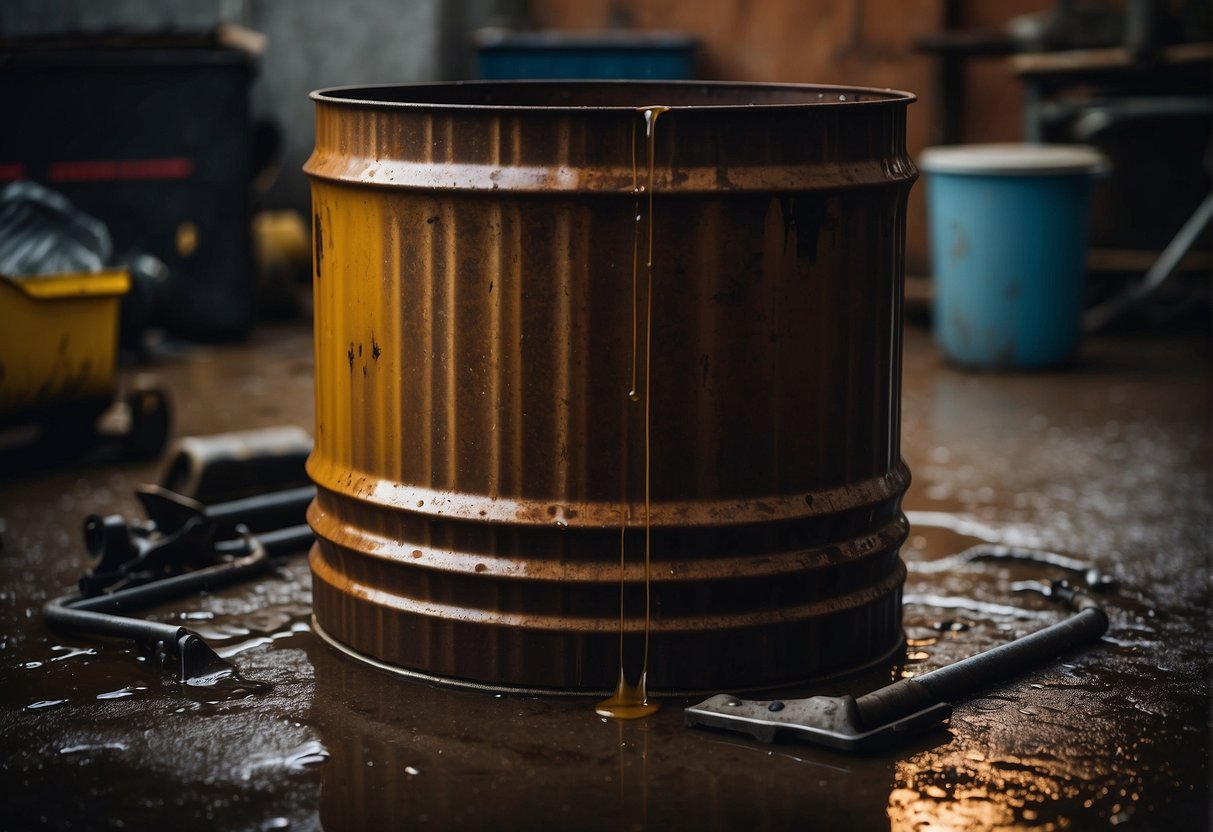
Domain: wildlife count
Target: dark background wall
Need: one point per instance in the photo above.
(318, 43)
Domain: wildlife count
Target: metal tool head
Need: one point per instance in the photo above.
(167, 510)
(199, 663)
(831, 721)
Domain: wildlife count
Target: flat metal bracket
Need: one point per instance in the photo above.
(831, 721)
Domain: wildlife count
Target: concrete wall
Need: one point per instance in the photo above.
(319, 43)
(326, 43)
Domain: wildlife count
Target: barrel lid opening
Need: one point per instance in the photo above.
(1013, 159)
(582, 95)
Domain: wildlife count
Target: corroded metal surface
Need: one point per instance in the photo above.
(477, 454)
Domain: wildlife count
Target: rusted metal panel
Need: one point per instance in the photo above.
(482, 308)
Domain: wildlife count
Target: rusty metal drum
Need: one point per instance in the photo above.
(600, 361)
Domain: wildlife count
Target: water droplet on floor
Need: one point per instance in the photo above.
(232, 649)
(100, 746)
(218, 632)
(240, 647)
(225, 686)
(72, 652)
(308, 754)
(44, 703)
(989, 704)
(951, 626)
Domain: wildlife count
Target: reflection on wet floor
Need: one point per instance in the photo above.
(1081, 756)
(1108, 466)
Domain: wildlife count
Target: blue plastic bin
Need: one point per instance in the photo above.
(586, 54)
(1008, 233)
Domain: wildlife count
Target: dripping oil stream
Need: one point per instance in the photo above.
(630, 700)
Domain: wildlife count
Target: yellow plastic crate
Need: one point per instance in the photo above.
(58, 338)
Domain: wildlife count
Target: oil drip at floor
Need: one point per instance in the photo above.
(630, 699)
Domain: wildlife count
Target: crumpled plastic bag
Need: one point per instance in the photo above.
(41, 232)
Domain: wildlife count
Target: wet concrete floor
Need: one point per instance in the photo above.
(1108, 460)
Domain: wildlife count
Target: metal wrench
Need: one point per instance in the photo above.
(885, 716)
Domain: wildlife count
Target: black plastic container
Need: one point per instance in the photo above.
(155, 142)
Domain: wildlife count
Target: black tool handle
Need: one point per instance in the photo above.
(963, 678)
(275, 510)
(279, 542)
(62, 615)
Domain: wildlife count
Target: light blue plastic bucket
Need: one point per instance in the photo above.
(1008, 232)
